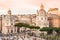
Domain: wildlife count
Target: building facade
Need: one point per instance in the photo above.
(41, 19)
(54, 17)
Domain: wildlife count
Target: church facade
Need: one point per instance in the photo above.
(42, 18)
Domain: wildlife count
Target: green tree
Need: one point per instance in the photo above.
(49, 30)
(18, 25)
(34, 27)
(57, 30)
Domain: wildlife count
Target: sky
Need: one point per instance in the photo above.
(26, 6)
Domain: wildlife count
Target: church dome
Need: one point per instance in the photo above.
(42, 8)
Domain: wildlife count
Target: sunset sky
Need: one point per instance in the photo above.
(26, 6)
